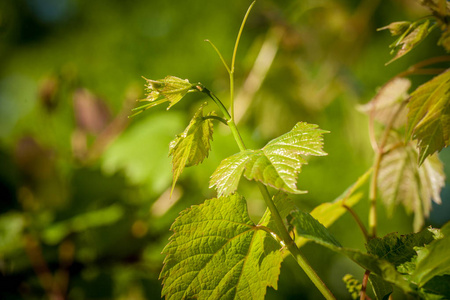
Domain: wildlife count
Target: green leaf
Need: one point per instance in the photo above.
(402, 181)
(216, 252)
(277, 164)
(170, 89)
(309, 227)
(433, 260)
(429, 115)
(398, 249)
(415, 34)
(381, 288)
(193, 145)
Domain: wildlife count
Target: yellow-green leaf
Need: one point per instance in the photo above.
(217, 252)
(429, 115)
(277, 164)
(193, 145)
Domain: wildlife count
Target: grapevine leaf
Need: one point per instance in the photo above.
(310, 228)
(402, 181)
(277, 164)
(415, 34)
(433, 260)
(216, 252)
(193, 145)
(429, 115)
(398, 249)
(381, 288)
(384, 106)
(170, 89)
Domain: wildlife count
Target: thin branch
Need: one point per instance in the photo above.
(220, 55)
(358, 221)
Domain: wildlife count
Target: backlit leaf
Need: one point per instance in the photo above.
(415, 34)
(277, 164)
(384, 106)
(193, 145)
(433, 260)
(217, 252)
(170, 89)
(402, 181)
(429, 115)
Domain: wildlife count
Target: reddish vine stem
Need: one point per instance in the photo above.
(363, 295)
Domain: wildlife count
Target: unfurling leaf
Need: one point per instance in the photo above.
(277, 164)
(402, 181)
(193, 145)
(415, 34)
(429, 115)
(170, 89)
(389, 99)
(216, 252)
(396, 28)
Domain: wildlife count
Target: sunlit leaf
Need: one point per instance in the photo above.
(402, 181)
(170, 89)
(429, 115)
(193, 145)
(384, 106)
(396, 28)
(277, 164)
(415, 34)
(216, 252)
(433, 260)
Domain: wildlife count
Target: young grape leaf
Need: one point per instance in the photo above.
(384, 106)
(433, 259)
(381, 288)
(415, 34)
(307, 226)
(216, 252)
(277, 164)
(193, 145)
(401, 180)
(170, 89)
(429, 115)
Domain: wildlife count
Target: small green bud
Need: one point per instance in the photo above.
(396, 28)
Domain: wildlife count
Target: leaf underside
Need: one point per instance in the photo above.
(193, 145)
(216, 252)
(384, 106)
(429, 115)
(276, 165)
(402, 181)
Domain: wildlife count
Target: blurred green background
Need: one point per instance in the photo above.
(85, 208)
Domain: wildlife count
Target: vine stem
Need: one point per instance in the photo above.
(292, 247)
(284, 234)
